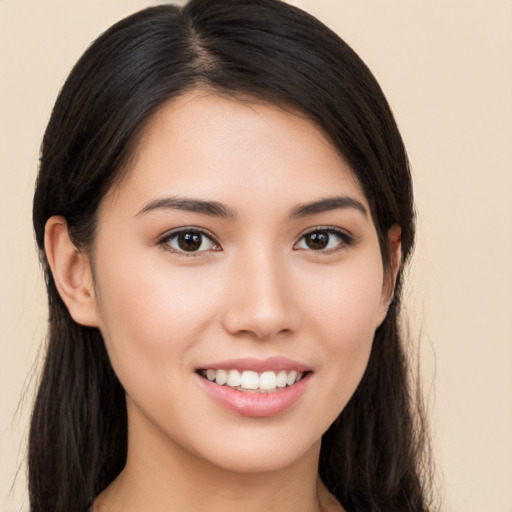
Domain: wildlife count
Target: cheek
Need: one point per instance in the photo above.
(348, 306)
(150, 314)
(151, 323)
(346, 314)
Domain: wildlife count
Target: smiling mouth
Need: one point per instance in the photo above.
(249, 381)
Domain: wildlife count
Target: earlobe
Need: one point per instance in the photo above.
(395, 263)
(71, 272)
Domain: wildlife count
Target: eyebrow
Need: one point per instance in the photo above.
(216, 209)
(326, 205)
(209, 208)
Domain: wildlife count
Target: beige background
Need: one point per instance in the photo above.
(446, 67)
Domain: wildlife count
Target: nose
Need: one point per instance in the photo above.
(259, 299)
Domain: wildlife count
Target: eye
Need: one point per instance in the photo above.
(189, 241)
(324, 239)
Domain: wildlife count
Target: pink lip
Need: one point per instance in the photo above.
(254, 403)
(258, 365)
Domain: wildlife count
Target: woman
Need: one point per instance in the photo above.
(223, 211)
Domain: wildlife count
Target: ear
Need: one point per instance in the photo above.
(395, 262)
(71, 272)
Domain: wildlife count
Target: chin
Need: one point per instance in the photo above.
(262, 454)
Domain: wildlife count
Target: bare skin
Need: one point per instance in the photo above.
(226, 493)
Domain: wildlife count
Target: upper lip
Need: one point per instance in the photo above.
(257, 365)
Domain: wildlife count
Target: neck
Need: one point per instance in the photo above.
(163, 477)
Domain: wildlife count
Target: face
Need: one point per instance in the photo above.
(238, 283)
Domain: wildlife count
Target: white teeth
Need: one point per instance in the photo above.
(281, 379)
(234, 379)
(290, 379)
(221, 377)
(268, 380)
(249, 380)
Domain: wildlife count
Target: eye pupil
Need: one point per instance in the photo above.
(317, 240)
(190, 241)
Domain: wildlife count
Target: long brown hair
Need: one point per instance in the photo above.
(373, 456)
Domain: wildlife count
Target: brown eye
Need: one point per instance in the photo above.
(324, 240)
(190, 241)
(318, 240)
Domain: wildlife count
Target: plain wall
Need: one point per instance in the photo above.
(446, 68)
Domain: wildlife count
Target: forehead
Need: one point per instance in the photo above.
(203, 143)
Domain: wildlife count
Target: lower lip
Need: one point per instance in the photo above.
(256, 404)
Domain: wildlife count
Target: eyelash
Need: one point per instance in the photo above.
(345, 240)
